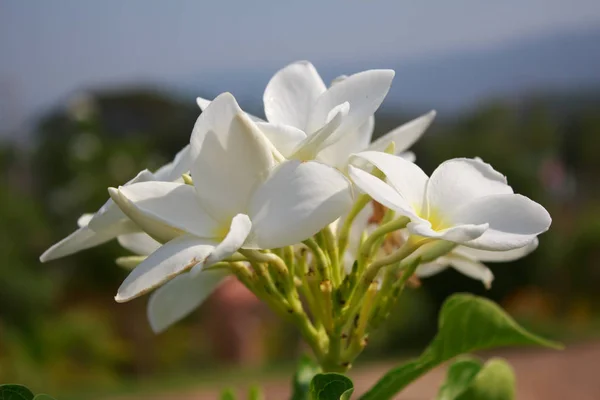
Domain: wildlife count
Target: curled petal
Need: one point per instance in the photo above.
(238, 232)
(406, 177)
(460, 234)
(180, 296)
(514, 221)
(173, 258)
(168, 204)
(110, 214)
(364, 91)
(337, 153)
(497, 256)
(312, 145)
(381, 192)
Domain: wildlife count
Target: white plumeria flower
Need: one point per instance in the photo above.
(298, 105)
(469, 261)
(465, 201)
(109, 221)
(240, 198)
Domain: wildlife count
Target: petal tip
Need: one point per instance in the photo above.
(119, 298)
(46, 256)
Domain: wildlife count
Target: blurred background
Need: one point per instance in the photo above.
(93, 92)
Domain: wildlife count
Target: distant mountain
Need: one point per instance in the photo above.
(556, 62)
(552, 63)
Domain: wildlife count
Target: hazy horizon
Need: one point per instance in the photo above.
(52, 49)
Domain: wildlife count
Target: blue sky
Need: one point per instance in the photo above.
(51, 48)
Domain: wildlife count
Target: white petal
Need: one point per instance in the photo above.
(84, 220)
(432, 268)
(204, 103)
(231, 157)
(84, 238)
(173, 258)
(156, 229)
(405, 135)
(139, 243)
(314, 143)
(461, 233)
(364, 91)
(291, 93)
(350, 142)
(297, 201)
(109, 214)
(181, 164)
(238, 232)
(381, 192)
(180, 296)
(472, 269)
(461, 180)
(514, 221)
(285, 138)
(168, 203)
(497, 256)
(406, 177)
(408, 156)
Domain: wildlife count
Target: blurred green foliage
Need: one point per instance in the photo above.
(60, 328)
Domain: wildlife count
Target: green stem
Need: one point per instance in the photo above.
(344, 234)
(332, 249)
(320, 258)
(371, 273)
(367, 247)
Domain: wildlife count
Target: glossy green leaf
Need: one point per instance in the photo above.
(43, 397)
(458, 378)
(467, 323)
(305, 372)
(495, 381)
(331, 387)
(15, 392)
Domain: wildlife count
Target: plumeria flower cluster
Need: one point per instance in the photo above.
(319, 222)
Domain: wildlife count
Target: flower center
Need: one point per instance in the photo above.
(221, 231)
(435, 218)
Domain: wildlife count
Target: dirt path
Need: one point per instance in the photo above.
(541, 375)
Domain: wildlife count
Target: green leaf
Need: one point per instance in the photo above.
(495, 381)
(305, 372)
(458, 378)
(255, 393)
(228, 394)
(331, 386)
(43, 397)
(15, 392)
(467, 323)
